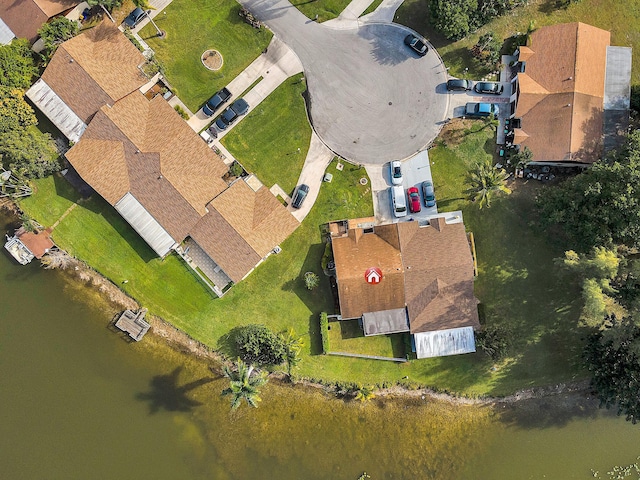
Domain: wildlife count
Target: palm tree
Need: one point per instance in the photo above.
(293, 345)
(144, 4)
(484, 182)
(57, 259)
(242, 385)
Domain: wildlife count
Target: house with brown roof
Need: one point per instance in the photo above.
(572, 94)
(424, 286)
(23, 18)
(144, 160)
(97, 68)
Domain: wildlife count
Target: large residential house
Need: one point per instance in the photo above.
(23, 18)
(571, 94)
(143, 159)
(408, 277)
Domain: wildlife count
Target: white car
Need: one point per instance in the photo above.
(396, 173)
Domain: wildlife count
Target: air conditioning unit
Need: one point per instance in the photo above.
(277, 249)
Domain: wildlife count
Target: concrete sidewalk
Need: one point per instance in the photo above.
(350, 17)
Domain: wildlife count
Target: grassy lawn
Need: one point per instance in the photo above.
(273, 140)
(347, 336)
(324, 9)
(194, 26)
(375, 4)
(620, 19)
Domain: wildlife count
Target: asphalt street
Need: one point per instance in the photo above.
(372, 99)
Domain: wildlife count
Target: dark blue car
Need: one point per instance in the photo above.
(134, 17)
(216, 102)
(231, 114)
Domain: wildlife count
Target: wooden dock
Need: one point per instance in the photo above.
(133, 323)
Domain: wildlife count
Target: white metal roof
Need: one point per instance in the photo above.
(6, 35)
(385, 322)
(56, 110)
(440, 343)
(617, 83)
(146, 226)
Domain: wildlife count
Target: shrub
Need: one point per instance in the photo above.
(257, 345)
(236, 169)
(324, 332)
(311, 280)
(494, 341)
(181, 111)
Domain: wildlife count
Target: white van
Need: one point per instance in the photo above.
(399, 201)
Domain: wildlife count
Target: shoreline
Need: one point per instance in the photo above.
(179, 340)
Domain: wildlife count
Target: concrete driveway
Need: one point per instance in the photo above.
(415, 170)
(372, 99)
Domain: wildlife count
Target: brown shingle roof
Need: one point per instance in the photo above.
(562, 92)
(95, 68)
(430, 269)
(438, 270)
(25, 17)
(242, 227)
(257, 216)
(169, 172)
(353, 255)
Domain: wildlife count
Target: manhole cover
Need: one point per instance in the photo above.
(212, 60)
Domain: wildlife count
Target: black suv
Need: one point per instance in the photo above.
(231, 114)
(299, 196)
(216, 101)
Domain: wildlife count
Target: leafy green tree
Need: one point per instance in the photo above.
(520, 159)
(29, 152)
(454, 18)
(243, 385)
(106, 5)
(494, 340)
(613, 358)
(58, 30)
(15, 112)
(487, 50)
(601, 206)
(17, 67)
(485, 182)
(596, 269)
(258, 345)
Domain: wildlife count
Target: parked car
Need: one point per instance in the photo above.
(396, 173)
(481, 110)
(232, 112)
(492, 88)
(399, 202)
(216, 102)
(134, 18)
(417, 44)
(458, 84)
(428, 194)
(299, 195)
(414, 199)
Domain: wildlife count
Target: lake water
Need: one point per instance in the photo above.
(77, 401)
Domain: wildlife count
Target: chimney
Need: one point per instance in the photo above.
(355, 234)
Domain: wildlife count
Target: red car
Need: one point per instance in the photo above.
(414, 199)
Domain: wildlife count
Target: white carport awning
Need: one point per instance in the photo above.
(144, 223)
(56, 110)
(6, 35)
(440, 343)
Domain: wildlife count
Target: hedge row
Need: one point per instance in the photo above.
(324, 332)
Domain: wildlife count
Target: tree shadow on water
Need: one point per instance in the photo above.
(551, 411)
(166, 394)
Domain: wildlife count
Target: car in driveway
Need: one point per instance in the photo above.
(414, 199)
(428, 194)
(299, 195)
(458, 85)
(216, 102)
(396, 173)
(232, 112)
(417, 44)
(398, 201)
(492, 88)
(481, 110)
(134, 18)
